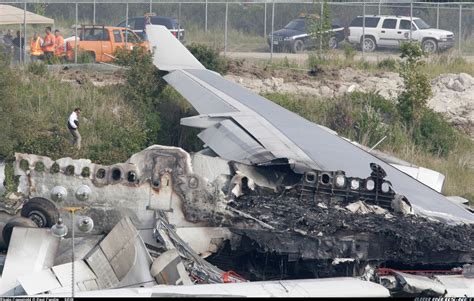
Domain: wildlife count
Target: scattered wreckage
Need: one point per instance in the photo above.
(262, 210)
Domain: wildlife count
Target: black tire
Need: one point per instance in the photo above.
(333, 43)
(369, 44)
(16, 222)
(41, 211)
(429, 46)
(298, 46)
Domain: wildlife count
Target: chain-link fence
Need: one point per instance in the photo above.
(246, 25)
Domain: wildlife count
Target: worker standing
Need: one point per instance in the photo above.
(35, 48)
(8, 43)
(19, 45)
(48, 45)
(58, 44)
(73, 126)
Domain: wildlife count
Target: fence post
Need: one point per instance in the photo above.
(24, 37)
(226, 19)
(273, 25)
(205, 19)
(151, 6)
(437, 16)
(411, 18)
(179, 19)
(320, 30)
(460, 28)
(265, 21)
(126, 24)
(93, 16)
(75, 37)
(363, 30)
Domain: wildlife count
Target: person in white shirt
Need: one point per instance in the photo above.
(73, 126)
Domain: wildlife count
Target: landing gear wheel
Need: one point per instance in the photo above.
(41, 211)
(369, 44)
(16, 222)
(429, 46)
(298, 46)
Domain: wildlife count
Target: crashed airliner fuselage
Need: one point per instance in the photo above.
(251, 215)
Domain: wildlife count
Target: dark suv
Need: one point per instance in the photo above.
(294, 36)
(137, 24)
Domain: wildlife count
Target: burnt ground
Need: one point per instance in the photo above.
(308, 237)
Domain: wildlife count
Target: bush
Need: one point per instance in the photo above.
(209, 57)
(340, 117)
(369, 126)
(37, 68)
(387, 64)
(435, 134)
(84, 57)
(386, 107)
(315, 62)
(349, 52)
(364, 65)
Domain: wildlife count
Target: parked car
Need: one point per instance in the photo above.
(101, 42)
(137, 24)
(390, 31)
(294, 36)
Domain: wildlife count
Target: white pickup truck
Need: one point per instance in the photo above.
(390, 31)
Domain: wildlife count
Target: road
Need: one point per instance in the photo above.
(301, 58)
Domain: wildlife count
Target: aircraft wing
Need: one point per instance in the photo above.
(243, 126)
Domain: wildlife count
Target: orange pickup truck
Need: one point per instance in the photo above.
(101, 42)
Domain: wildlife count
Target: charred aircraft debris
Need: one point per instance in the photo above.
(261, 206)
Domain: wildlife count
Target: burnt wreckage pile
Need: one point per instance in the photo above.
(319, 227)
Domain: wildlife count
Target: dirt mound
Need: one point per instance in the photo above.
(454, 98)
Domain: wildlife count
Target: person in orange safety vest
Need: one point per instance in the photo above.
(58, 44)
(48, 45)
(35, 48)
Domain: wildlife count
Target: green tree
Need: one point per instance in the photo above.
(143, 88)
(320, 26)
(39, 8)
(417, 88)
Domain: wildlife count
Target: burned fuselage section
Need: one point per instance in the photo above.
(264, 222)
(317, 227)
(158, 178)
